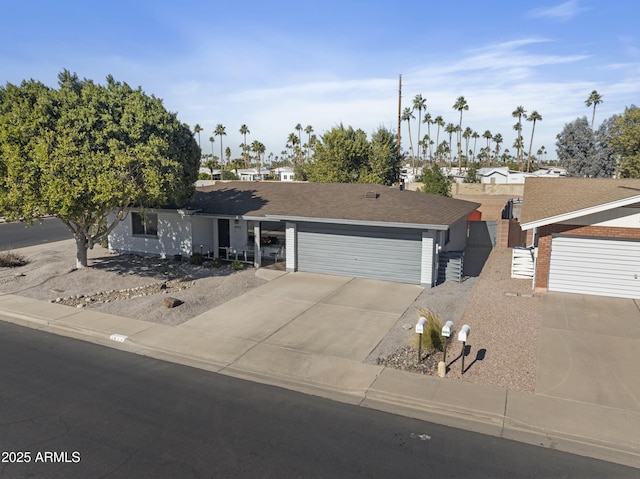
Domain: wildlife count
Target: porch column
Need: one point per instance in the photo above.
(257, 254)
(291, 246)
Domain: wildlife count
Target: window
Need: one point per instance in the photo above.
(144, 225)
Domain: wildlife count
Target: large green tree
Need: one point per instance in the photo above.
(340, 155)
(86, 152)
(624, 131)
(584, 152)
(383, 166)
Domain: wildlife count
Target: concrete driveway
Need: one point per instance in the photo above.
(589, 348)
(335, 316)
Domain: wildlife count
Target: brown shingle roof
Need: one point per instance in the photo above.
(330, 201)
(551, 197)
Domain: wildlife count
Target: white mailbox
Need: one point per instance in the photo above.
(464, 333)
(447, 329)
(420, 326)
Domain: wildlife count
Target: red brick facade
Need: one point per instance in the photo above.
(544, 243)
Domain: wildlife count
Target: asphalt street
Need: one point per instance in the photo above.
(77, 410)
(17, 235)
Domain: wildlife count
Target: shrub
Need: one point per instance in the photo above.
(215, 263)
(196, 258)
(9, 259)
(237, 265)
(432, 339)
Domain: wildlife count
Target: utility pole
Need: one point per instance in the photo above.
(399, 110)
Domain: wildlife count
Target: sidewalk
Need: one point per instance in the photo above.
(605, 433)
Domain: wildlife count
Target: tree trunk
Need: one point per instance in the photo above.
(81, 251)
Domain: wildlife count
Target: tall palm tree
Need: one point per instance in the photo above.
(594, 99)
(467, 135)
(220, 131)
(244, 131)
(487, 134)
(258, 148)
(211, 139)
(419, 104)
(475, 135)
(308, 130)
(518, 113)
(427, 119)
(197, 129)
(451, 129)
(533, 116)
(497, 139)
(440, 123)
(460, 105)
(407, 115)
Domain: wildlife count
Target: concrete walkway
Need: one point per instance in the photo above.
(310, 333)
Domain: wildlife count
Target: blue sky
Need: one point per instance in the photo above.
(272, 65)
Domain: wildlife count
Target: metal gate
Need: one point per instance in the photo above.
(367, 252)
(602, 267)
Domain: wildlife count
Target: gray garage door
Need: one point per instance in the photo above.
(366, 252)
(597, 266)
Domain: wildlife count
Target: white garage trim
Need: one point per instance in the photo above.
(597, 266)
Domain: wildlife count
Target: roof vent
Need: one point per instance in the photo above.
(371, 195)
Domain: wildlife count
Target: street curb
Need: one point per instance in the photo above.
(476, 420)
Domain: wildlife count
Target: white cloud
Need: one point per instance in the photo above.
(565, 11)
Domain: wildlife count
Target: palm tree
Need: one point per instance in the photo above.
(428, 121)
(220, 131)
(419, 104)
(407, 115)
(594, 99)
(451, 129)
(534, 116)
(487, 134)
(460, 105)
(197, 129)
(518, 113)
(258, 148)
(475, 135)
(244, 131)
(211, 139)
(440, 122)
(497, 139)
(466, 135)
(308, 130)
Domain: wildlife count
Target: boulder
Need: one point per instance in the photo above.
(171, 302)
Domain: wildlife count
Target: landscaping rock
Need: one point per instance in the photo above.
(171, 302)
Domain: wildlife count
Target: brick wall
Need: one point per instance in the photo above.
(544, 243)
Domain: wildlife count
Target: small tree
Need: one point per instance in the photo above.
(435, 182)
(84, 152)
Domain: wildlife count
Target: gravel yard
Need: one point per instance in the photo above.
(504, 319)
(504, 323)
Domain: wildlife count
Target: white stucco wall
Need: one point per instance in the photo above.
(202, 229)
(174, 237)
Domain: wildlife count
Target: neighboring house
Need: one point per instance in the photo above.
(283, 173)
(586, 234)
(369, 231)
(252, 174)
(411, 175)
(550, 172)
(501, 175)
